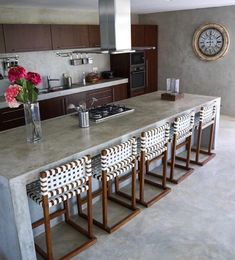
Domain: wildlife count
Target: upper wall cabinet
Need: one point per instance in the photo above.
(144, 35)
(69, 36)
(137, 35)
(94, 36)
(150, 35)
(27, 37)
(2, 43)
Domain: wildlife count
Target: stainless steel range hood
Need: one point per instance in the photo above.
(115, 28)
(115, 25)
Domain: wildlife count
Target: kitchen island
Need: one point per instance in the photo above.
(63, 141)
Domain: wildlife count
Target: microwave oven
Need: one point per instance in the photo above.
(137, 58)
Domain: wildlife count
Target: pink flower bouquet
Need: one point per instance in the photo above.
(23, 88)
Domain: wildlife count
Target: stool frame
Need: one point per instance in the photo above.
(105, 193)
(161, 151)
(66, 212)
(179, 131)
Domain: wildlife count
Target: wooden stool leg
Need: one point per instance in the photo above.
(188, 151)
(66, 214)
(116, 184)
(89, 209)
(104, 200)
(173, 153)
(133, 199)
(79, 204)
(211, 138)
(141, 174)
(199, 138)
(164, 169)
(47, 227)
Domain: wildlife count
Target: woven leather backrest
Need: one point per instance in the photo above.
(184, 124)
(155, 138)
(208, 113)
(119, 156)
(63, 175)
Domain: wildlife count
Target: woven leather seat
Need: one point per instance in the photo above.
(57, 186)
(34, 193)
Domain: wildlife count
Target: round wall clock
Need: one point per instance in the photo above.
(211, 42)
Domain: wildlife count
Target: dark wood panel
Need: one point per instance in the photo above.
(94, 36)
(75, 99)
(150, 35)
(137, 35)
(120, 92)
(151, 61)
(52, 108)
(11, 117)
(103, 96)
(27, 37)
(69, 36)
(2, 42)
(138, 92)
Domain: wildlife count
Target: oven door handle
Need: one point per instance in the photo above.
(137, 72)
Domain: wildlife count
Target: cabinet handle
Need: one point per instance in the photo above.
(147, 72)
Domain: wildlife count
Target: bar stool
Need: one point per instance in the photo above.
(207, 116)
(57, 186)
(154, 145)
(182, 136)
(115, 161)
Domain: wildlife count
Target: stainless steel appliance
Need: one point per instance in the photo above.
(102, 113)
(137, 58)
(137, 77)
(137, 70)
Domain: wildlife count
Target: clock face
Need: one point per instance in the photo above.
(211, 42)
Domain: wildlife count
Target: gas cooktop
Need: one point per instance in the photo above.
(102, 113)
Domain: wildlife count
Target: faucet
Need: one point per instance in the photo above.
(48, 82)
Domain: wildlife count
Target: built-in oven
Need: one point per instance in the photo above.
(137, 58)
(137, 77)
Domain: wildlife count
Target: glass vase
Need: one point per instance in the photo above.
(32, 122)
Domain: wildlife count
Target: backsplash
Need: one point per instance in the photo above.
(47, 63)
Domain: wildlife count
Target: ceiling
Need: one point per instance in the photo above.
(137, 6)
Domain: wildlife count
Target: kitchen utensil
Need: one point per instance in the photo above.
(83, 118)
(67, 81)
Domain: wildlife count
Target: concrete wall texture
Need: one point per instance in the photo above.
(177, 58)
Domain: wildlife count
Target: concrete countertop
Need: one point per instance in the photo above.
(63, 140)
(76, 88)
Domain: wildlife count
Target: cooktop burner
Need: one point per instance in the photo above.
(99, 114)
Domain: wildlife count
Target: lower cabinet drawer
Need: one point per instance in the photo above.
(11, 117)
(102, 96)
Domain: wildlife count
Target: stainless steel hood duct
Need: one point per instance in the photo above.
(115, 25)
(115, 28)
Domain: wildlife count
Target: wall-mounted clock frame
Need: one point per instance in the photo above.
(200, 52)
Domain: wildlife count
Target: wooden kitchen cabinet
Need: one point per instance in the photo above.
(120, 92)
(69, 36)
(150, 35)
(151, 70)
(52, 107)
(11, 117)
(75, 99)
(103, 96)
(27, 37)
(137, 35)
(94, 36)
(2, 41)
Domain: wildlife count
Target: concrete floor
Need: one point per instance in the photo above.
(195, 221)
